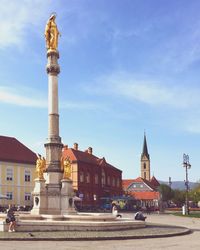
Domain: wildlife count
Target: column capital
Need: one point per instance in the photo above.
(52, 64)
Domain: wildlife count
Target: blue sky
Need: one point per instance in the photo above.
(126, 66)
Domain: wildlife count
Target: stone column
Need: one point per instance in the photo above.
(53, 145)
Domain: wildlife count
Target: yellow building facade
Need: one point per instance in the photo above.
(17, 173)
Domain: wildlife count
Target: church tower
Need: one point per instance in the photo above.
(145, 162)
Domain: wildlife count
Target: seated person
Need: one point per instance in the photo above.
(115, 211)
(139, 216)
(11, 219)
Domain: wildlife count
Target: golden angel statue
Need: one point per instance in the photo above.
(51, 33)
(40, 166)
(66, 167)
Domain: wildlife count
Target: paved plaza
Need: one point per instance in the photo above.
(190, 241)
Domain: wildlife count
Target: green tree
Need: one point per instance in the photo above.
(178, 197)
(194, 194)
(166, 192)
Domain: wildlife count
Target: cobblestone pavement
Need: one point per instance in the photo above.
(191, 241)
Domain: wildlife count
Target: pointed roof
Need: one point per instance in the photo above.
(155, 182)
(11, 150)
(145, 149)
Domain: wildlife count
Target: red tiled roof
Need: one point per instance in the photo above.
(77, 155)
(11, 150)
(127, 183)
(145, 195)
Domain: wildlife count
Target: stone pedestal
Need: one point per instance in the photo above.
(39, 197)
(53, 187)
(67, 202)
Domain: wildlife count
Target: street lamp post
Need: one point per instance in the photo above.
(170, 182)
(186, 165)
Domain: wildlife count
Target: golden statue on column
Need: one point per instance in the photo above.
(51, 33)
(66, 167)
(40, 167)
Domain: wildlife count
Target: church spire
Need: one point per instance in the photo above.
(145, 149)
(145, 161)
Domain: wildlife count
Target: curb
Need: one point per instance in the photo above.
(179, 231)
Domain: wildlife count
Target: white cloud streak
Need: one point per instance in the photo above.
(81, 105)
(146, 91)
(37, 100)
(11, 96)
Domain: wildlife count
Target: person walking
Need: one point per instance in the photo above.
(11, 219)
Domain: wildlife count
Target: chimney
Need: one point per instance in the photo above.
(65, 147)
(76, 146)
(90, 150)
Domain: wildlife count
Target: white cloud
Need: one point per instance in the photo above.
(81, 105)
(11, 96)
(146, 91)
(31, 98)
(19, 17)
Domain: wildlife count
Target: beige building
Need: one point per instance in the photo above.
(17, 172)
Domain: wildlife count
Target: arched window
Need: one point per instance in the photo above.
(88, 177)
(117, 182)
(144, 166)
(96, 179)
(113, 181)
(103, 178)
(108, 180)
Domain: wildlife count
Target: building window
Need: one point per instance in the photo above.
(108, 180)
(27, 175)
(27, 197)
(88, 177)
(9, 195)
(81, 177)
(117, 182)
(9, 174)
(145, 175)
(103, 178)
(87, 196)
(96, 179)
(113, 182)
